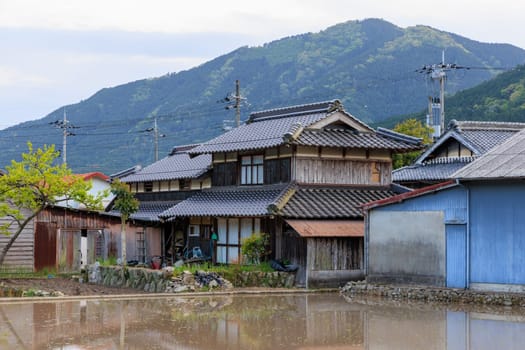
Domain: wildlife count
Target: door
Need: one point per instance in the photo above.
(456, 256)
(45, 245)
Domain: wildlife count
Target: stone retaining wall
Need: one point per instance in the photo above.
(429, 294)
(163, 281)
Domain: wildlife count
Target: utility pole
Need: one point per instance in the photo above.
(65, 126)
(64, 141)
(236, 101)
(156, 136)
(437, 72)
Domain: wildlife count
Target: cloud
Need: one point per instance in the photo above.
(10, 76)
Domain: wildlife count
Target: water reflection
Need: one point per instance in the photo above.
(321, 321)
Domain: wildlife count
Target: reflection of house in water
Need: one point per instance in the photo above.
(323, 321)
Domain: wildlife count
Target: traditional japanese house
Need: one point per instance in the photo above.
(462, 142)
(298, 174)
(158, 187)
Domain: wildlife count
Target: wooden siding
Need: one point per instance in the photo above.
(293, 248)
(335, 254)
(348, 172)
(46, 241)
(21, 253)
(277, 170)
(224, 174)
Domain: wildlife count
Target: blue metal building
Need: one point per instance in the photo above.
(465, 233)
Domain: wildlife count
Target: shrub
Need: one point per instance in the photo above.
(254, 248)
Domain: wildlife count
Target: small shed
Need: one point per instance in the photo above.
(468, 232)
(416, 237)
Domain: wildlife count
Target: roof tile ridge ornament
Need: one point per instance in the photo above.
(283, 198)
(290, 111)
(461, 125)
(449, 160)
(293, 133)
(399, 136)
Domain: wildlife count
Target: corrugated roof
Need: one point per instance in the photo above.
(331, 202)
(353, 139)
(176, 166)
(506, 161)
(328, 228)
(228, 201)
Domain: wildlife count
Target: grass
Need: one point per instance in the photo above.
(222, 269)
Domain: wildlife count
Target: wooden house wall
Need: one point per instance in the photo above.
(344, 172)
(333, 261)
(453, 148)
(20, 255)
(59, 233)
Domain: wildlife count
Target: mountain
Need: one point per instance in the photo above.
(369, 65)
(501, 98)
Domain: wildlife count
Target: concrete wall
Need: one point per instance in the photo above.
(407, 247)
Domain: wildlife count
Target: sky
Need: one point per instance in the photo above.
(59, 52)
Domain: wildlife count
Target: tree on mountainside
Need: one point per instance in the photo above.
(34, 183)
(416, 128)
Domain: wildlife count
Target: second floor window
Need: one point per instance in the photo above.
(148, 186)
(252, 169)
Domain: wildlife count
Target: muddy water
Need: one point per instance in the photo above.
(321, 321)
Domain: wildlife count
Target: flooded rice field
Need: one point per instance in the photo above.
(302, 321)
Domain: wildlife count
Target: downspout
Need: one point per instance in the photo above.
(467, 235)
(366, 240)
(467, 243)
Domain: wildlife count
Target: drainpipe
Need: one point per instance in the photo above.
(467, 235)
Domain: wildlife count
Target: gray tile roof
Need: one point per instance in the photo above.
(257, 135)
(436, 170)
(277, 126)
(506, 161)
(353, 139)
(332, 202)
(267, 128)
(150, 211)
(175, 166)
(478, 136)
(228, 201)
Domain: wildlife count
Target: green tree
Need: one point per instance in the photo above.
(126, 204)
(416, 128)
(32, 184)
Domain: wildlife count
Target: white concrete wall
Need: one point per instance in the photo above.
(407, 247)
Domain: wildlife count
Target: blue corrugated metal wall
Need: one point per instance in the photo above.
(456, 256)
(452, 200)
(497, 233)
